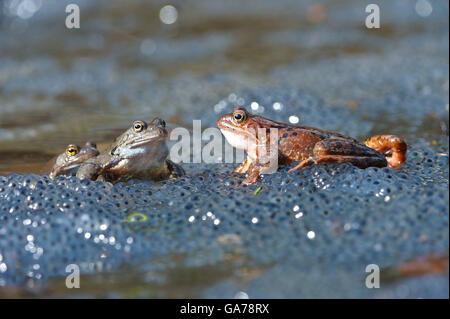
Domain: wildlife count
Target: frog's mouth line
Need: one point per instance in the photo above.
(237, 136)
(66, 168)
(233, 129)
(143, 141)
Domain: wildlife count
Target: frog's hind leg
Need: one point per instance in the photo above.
(306, 162)
(343, 151)
(391, 146)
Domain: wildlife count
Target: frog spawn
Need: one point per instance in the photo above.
(325, 216)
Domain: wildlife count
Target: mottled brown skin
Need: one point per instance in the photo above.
(139, 153)
(306, 145)
(70, 160)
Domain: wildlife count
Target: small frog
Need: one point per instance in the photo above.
(140, 152)
(307, 145)
(70, 160)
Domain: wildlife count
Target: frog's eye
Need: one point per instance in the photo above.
(138, 126)
(239, 116)
(72, 150)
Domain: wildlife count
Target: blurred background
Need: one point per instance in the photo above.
(182, 60)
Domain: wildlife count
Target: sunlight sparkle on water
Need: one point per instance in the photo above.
(277, 106)
(168, 14)
(293, 119)
(241, 295)
(24, 9)
(423, 8)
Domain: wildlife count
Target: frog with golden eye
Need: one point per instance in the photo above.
(70, 160)
(306, 145)
(139, 153)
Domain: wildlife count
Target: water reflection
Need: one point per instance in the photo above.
(23, 9)
(168, 14)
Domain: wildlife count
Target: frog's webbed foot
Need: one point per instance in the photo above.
(342, 151)
(243, 167)
(53, 174)
(253, 175)
(175, 170)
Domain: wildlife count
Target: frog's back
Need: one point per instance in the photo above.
(297, 142)
(293, 131)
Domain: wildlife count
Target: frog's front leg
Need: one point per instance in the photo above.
(94, 168)
(253, 174)
(343, 151)
(89, 171)
(244, 166)
(175, 170)
(263, 165)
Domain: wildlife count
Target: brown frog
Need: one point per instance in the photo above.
(307, 145)
(140, 152)
(70, 160)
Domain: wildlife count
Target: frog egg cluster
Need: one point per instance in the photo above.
(322, 217)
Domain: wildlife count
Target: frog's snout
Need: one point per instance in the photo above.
(90, 144)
